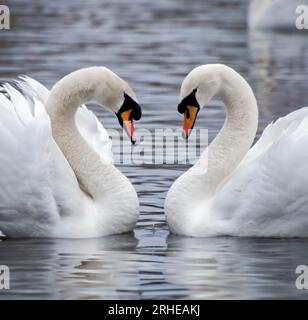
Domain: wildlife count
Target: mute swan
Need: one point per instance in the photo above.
(56, 174)
(232, 190)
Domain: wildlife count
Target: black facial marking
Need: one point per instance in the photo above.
(129, 104)
(190, 100)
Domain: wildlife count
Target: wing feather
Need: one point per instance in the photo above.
(270, 184)
(38, 187)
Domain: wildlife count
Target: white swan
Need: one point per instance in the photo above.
(57, 178)
(232, 190)
(275, 14)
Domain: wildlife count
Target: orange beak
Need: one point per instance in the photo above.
(190, 116)
(128, 125)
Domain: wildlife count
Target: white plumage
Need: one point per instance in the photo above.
(258, 192)
(39, 192)
(267, 194)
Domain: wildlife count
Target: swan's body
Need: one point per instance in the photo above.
(277, 15)
(57, 177)
(235, 191)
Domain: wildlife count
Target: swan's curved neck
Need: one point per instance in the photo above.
(237, 135)
(62, 104)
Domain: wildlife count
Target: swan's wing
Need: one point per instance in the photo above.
(87, 123)
(267, 194)
(37, 184)
(274, 132)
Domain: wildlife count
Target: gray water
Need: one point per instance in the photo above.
(153, 45)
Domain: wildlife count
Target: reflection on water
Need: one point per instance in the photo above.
(156, 267)
(153, 44)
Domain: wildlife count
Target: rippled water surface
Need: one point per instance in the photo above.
(153, 44)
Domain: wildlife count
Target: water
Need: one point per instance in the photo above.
(153, 45)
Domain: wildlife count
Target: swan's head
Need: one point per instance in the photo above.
(197, 89)
(127, 113)
(116, 96)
